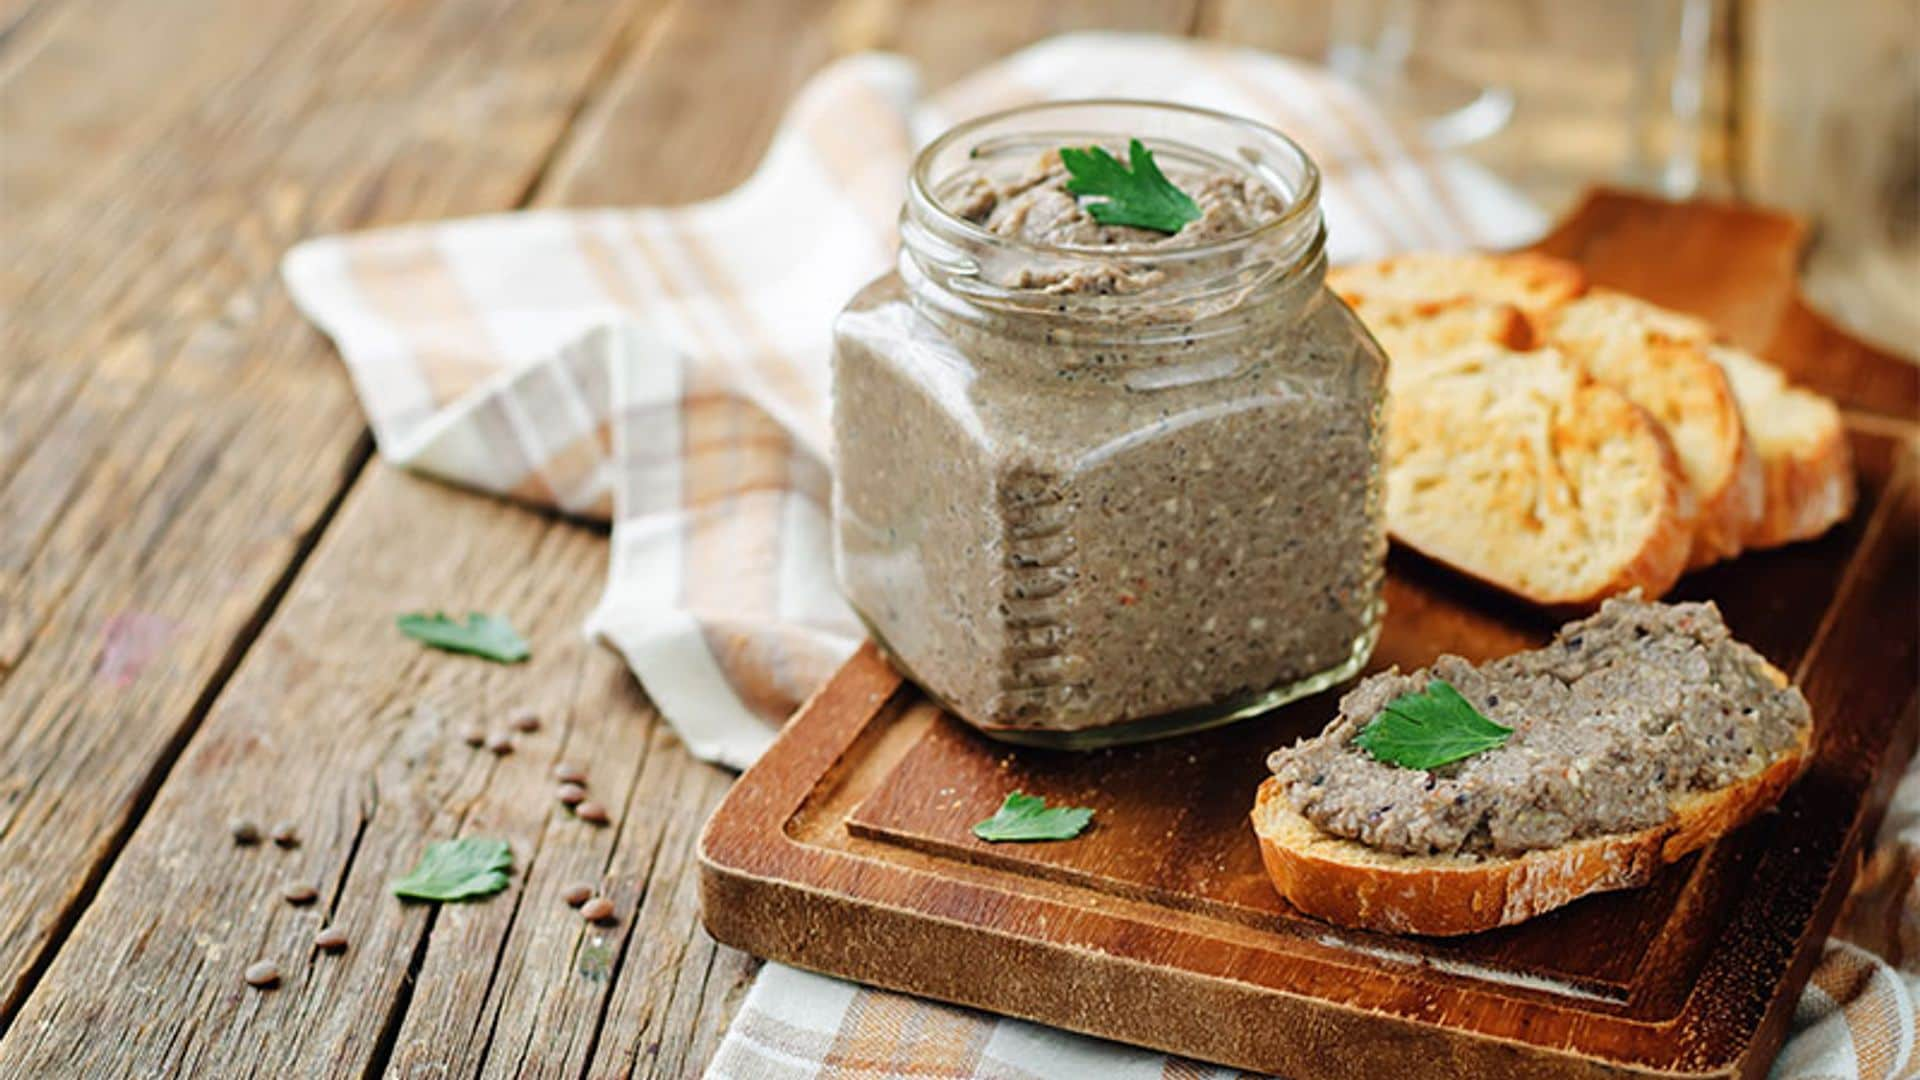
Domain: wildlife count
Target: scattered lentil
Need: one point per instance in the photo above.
(569, 774)
(598, 909)
(299, 892)
(526, 720)
(576, 894)
(592, 811)
(332, 939)
(572, 794)
(264, 974)
(245, 833)
(473, 736)
(500, 743)
(285, 835)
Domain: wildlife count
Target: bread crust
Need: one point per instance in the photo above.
(1807, 494)
(1660, 359)
(1808, 485)
(1348, 883)
(1532, 282)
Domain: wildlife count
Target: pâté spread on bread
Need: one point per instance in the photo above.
(1636, 735)
(1107, 451)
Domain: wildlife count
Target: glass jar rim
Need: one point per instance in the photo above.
(1299, 205)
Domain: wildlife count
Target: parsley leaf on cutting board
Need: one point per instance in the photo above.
(1142, 196)
(1429, 728)
(1028, 817)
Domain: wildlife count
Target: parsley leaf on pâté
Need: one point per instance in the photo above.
(458, 870)
(1027, 817)
(1429, 728)
(489, 636)
(1116, 195)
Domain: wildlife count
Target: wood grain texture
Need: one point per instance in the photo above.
(848, 848)
(174, 432)
(336, 723)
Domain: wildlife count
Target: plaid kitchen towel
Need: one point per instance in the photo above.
(667, 370)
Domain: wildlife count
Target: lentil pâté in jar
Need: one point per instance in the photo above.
(1096, 483)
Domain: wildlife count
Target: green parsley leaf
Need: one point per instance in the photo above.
(1027, 817)
(458, 870)
(1142, 197)
(1429, 728)
(490, 636)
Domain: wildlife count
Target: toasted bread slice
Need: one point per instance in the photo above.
(1535, 284)
(1346, 882)
(1805, 460)
(1522, 470)
(1414, 331)
(1804, 464)
(1668, 373)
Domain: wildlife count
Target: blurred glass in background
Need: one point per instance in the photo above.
(1811, 106)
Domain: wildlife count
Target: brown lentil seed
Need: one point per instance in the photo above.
(577, 894)
(263, 974)
(332, 939)
(572, 794)
(245, 833)
(598, 909)
(285, 835)
(299, 892)
(592, 811)
(474, 737)
(526, 720)
(569, 774)
(500, 743)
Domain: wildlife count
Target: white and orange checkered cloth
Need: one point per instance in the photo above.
(668, 370)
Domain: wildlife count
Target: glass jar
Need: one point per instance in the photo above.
(1088, 494)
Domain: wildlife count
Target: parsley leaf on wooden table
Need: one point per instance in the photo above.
(458, 870)
(1027, 817)
(489, 636)
(1429, 728)
(1142, 197)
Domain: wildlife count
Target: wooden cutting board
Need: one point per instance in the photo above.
(847, 849)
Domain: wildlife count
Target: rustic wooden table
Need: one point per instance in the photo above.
(199, 557)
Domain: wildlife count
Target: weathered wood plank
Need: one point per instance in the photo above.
(170, 431)
(338, 724)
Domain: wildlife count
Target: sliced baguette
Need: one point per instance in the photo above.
(1536, 284)
(1805, 460)
(1520, 469)
(1802, 481)
(1346, 882)
(1669, 374)
(1413, 331)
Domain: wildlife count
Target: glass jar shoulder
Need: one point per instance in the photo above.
(1062, 406)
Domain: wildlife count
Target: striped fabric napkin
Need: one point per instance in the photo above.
(667, 370)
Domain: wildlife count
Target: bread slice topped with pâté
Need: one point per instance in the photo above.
(1520, 469)
(1463, 797)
